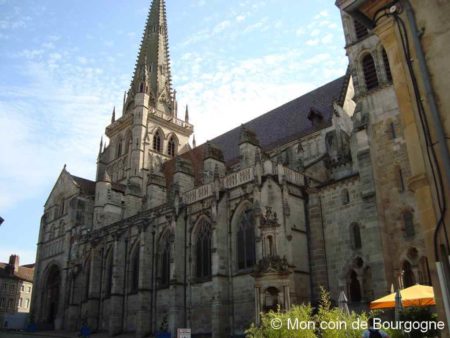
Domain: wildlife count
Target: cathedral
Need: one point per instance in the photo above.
(172, 235)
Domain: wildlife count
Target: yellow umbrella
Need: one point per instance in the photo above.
(417, 295)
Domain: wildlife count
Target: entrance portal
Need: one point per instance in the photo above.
(52, 288)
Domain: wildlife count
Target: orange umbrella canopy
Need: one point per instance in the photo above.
(417, 295)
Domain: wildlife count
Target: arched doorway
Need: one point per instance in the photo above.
(52, 290)
(408, 275)
(354, 287)
(271, 299)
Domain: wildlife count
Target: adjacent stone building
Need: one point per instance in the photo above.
(16, 287)
(415, 35)
(309, 194)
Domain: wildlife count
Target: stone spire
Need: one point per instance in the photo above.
(101, 145)
(124, 102)
(186, 114)
(152, 71)
(113, 116)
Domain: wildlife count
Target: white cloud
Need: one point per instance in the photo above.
(312, 42)
(221, 26)
(58, 118)
(315, 32)
(327, 39)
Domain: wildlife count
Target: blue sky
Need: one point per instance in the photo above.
(65, 64)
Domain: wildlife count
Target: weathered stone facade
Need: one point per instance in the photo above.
(307, 195)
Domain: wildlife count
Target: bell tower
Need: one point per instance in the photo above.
(149, 131)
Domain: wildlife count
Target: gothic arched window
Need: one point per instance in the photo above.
(355, 233)
(387, 67)
(392, 130)
(203, 250)
(119, 147)
(345, 196)
(172, 147)
(164, 261)
(246, 241)
(400, 180)
(424, 272)
(360, 30)
(408, 224)
(134, 269)
(157, 142)
(370, 72)
(127, 143)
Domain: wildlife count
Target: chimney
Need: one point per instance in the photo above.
(13, 264)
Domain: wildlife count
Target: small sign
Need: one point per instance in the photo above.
(184, 333)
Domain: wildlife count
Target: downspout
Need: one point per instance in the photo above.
(185, 269)
(153, 304)
(190, 274)
(324, 241)
(125, 286)
(230, 271)
(100, 301)
(308, 243)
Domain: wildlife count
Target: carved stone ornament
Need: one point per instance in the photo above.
(269, 219)
(272, 264)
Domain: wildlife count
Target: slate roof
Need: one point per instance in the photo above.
(86, 186)
(287, 122)
(25, 272)
(277, 127)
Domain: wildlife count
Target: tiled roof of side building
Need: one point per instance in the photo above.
(25, 273)
(287, 122)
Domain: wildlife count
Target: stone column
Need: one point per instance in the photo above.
(117, 290)
(258, 236)
(143, 322)
(319, 270)
(219, 306)
(257, 305)
(94, 283)
(287, 297)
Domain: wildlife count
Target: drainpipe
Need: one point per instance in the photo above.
(185, 268)
(230, 270)
(154, 295)
(125, 286)
(439, 131)
(308, 242)
(100, 298)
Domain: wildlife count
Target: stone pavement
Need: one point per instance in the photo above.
(55, 334)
